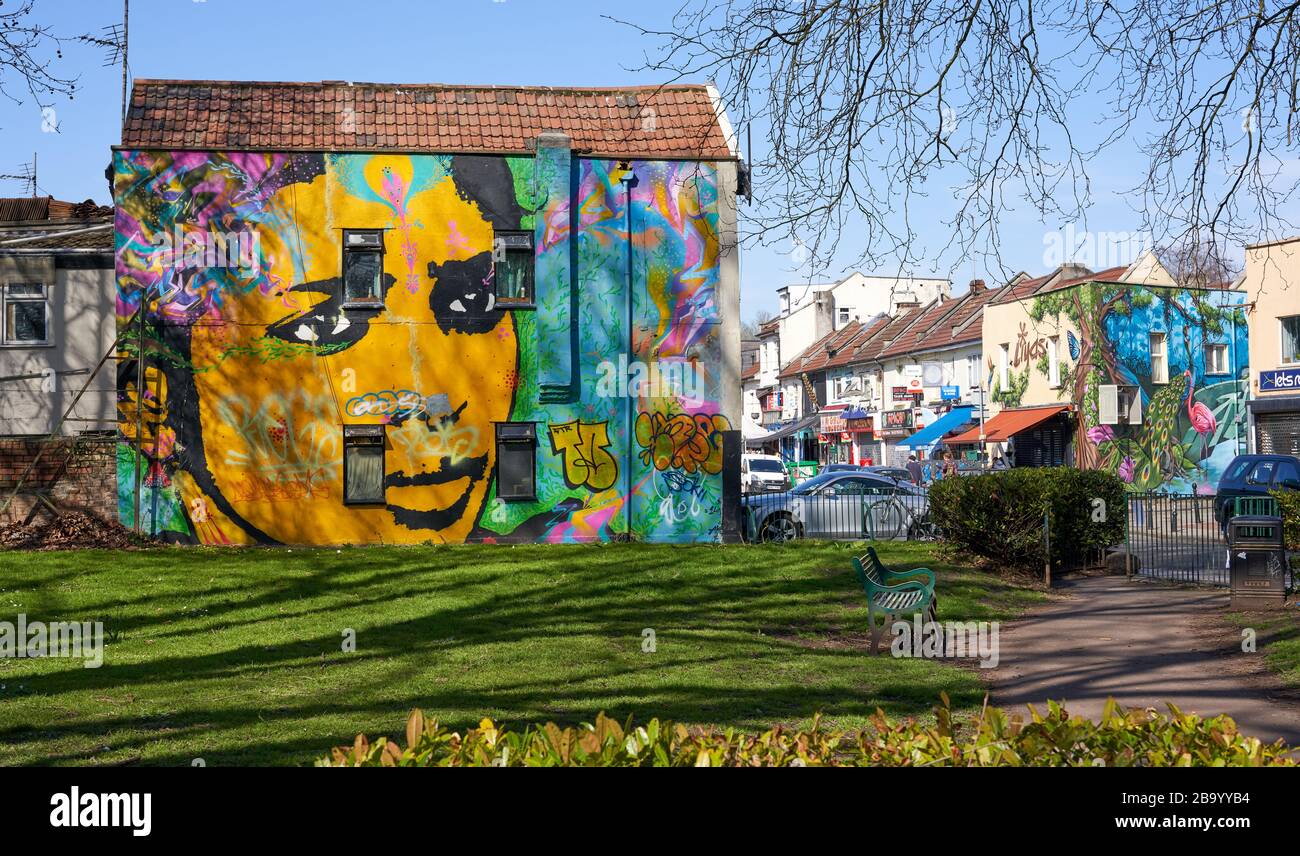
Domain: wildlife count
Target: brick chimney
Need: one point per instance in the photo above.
(976, 286)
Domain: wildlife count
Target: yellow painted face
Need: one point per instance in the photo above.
(285, 369)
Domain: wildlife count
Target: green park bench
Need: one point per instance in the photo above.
(893, 593)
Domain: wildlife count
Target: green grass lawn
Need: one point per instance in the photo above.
(1277, 637)
(235, 656)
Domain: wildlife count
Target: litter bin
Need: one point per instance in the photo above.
(1257, 563)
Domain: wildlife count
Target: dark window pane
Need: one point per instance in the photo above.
(514, 276)
(515, 469)
(365, 474)
(361, 276)
(25, 322)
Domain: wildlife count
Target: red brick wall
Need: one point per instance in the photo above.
(87, 483)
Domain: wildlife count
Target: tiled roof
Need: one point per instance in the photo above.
(48, 208)
(90, 235)
(848, 351)
(818, 354)
(1016, 290)
(967, 323)
(872, 349)
(1114, 274)
(669, 121)
(751, 371)
(918, 334)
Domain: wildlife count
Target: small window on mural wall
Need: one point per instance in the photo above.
(516, 460)
(1119, 405)
(1216, 359)
(512, 268)
(363, 266)
(363, 464)
(1159, 359)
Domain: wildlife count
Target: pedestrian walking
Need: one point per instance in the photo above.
(914, 469)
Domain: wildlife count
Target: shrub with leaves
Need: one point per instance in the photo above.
(1138, 738)
(1288, 502)
(999, 516)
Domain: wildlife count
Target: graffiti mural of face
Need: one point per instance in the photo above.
(433, 360)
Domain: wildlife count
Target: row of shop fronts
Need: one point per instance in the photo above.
(1125, 370)
(842, 434)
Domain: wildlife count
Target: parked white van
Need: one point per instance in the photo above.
(761, 473)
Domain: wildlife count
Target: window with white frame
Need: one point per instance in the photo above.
(845, 313)
(1004, 366)
(1290, 339)
(1159, 359)
(1119, 404)
(1053, 363)
(1216, 358)
(25, 314)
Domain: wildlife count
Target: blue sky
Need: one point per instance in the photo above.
(541, 42)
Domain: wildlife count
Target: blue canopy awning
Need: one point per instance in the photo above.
(855, 413)
(930, 434)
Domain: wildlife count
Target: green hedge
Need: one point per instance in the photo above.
(1289, 504)
(1121, 739)
(999, 516)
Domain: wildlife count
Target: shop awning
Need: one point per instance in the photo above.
(785, 431)
(856, 413)
(1008, 423)
(930, 434)
(1274, 404)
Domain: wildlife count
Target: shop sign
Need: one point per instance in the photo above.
(859, 425)
(832, 424)
(1279, 379)
(895, 421)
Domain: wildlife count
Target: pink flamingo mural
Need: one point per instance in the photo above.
(1203, 420)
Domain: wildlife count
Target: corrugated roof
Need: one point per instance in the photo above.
(672, 121)
(79, 236)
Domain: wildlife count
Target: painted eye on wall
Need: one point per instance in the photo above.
(327, 324)
(462, 298)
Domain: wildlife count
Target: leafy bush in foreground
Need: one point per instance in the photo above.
(1122, 739)
(1288, 502)
(999, 516)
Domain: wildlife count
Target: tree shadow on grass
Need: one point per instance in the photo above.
(417, 611)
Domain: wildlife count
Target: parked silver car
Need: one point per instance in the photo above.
(840, 505)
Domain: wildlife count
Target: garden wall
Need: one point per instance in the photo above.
(86, 481)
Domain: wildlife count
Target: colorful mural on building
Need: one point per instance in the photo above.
(252, 369)
(1192, 424)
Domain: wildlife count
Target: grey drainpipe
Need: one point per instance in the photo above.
(629, 181)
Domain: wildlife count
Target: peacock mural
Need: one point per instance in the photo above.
(1191, 423)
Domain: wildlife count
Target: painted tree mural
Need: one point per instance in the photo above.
(1190, 423)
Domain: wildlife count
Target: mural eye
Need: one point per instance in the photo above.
(462, 299)
(327, 325)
